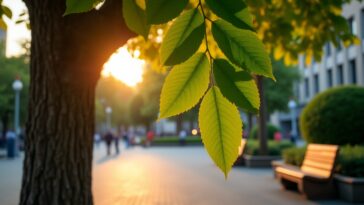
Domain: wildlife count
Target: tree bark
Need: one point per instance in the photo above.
(262, 123)
(67, 54)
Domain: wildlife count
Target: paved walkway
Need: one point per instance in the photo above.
(167, 176)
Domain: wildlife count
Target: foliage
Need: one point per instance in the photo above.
(349, 163)
(4, 11)
(294, 155)
(290, 28)
(111, 92)
(335, 117)
(271, 130)
(275, 148)
(278, 93)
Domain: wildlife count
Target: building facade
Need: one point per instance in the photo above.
(338, 66)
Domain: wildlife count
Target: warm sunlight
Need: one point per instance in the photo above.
(124, 67)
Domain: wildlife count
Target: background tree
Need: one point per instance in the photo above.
(112, 92)
(279, 93)
(10, 69)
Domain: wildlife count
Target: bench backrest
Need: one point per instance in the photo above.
(320, 159)
(242, 146)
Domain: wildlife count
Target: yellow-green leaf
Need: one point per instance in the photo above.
(135, 18)
(243, 48)
(79, 6)
(221, 129)
(183, 38)
(237, 85)
(184, 86)
(234, 11)
(162, 11)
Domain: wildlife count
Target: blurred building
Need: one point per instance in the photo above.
(338, 66)
(3, 39)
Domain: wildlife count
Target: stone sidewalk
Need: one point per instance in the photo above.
(167, 176)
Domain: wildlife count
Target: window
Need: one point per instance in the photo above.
(340, 75)
(362, 23)
(352, 26)
(307, 88)
(329, 78)
(328, 49)
(316, 83)
(352, 71)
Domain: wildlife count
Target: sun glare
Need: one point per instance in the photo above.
(124, 67)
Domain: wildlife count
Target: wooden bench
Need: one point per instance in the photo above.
(240, 159)
(314, 178)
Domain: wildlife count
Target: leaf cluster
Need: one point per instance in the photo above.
(219, 82)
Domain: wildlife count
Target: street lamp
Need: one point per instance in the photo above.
(292, 106)
(108, 111)
(17, 86)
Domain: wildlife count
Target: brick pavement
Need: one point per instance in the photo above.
(167, 176)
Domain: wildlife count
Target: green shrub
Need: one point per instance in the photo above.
(351, 161)
(294, 155)
(335, 117)
(271, 129)
(274, 148)
(175, 140)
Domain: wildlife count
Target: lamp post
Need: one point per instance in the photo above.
(292, 106)
(108, 111)
(17, 86)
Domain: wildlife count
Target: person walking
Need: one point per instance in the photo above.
(116, 141)
(108, 140)
(182, 137)
(11, 143)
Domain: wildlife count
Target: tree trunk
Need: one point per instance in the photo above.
(67, 54)
(262, 123)
(250, 123)
(179, 123)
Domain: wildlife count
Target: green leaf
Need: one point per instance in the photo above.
(237, 85)
(183, 38)
(162, 11)
(79, 6)
(234, 11)
(135, 18)
(243, 48)
(7, 11)
(185, 85)
(221, 129)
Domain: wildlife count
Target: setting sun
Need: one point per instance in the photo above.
(124, 67)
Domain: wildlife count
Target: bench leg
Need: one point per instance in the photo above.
(319, 190)
(288, 185)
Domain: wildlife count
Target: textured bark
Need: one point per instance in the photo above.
(67, 54)
(262, 119)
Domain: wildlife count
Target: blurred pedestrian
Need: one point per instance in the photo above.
(116, 141)
(278, 136)
(149, 139)
(108, 140)
(182, 137)
(11, 143)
